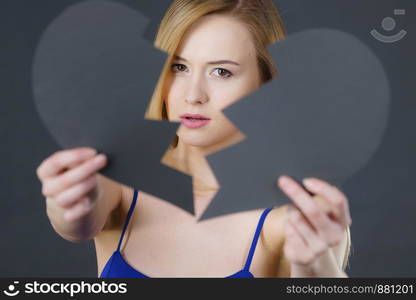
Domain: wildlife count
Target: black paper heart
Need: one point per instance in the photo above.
(93, 77)
(324, 116)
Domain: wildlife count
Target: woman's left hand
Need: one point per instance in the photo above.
(314, 226)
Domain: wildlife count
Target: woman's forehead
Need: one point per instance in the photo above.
(216, 37)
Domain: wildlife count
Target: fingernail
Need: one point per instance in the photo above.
(309, 182)
(99, 158)
(90, 152)
(283, 180)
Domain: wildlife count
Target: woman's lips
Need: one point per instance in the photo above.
(194, 121)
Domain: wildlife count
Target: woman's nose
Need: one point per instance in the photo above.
(195, 100)
(195, 93)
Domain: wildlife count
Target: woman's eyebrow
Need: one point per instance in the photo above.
(217, 62)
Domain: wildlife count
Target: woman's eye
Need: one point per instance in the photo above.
(178, 68)
(223, 73)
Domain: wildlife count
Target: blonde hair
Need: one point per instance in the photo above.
(347, 250)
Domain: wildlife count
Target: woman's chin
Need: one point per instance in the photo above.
(206, 140)
(200, 142)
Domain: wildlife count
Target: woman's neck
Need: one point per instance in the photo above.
(192, 161)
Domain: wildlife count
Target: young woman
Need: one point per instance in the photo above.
(217, 54)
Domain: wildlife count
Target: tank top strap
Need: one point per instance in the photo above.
(256, 238)
(126, 223)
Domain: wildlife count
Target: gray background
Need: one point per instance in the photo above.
(381, 195)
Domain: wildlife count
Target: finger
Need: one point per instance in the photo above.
(337, 199)
(325, 206)
(78, 210)
(293, 219)
(69, 196)
(61, 160)
(295, 248)
(56, 185)
(302, 200)
(327, 229)
(315, 244)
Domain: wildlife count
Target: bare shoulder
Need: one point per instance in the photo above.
(106, 241)
(274, 239)
(117, 216)
(273, 229)
(127, 193)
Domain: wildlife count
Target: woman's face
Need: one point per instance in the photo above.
(215, 65)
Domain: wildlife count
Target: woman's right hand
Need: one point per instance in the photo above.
(69, 179)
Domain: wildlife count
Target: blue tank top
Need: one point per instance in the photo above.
(117, 267)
